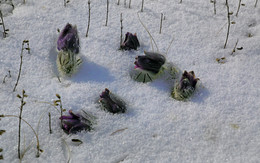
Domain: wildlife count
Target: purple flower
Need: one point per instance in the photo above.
(131, 42)
(74, 123)
(111, 103)
(188, 80)
(151, 61)
(186, 87)
(68, 39)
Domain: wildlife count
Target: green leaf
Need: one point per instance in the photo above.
(18, 96)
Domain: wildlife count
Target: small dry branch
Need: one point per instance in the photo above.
(107, 12)
(142, 9)
(3, 24)
(238, 7)
(88, 17)
(129, 4)
(50, 123)
(21, 62)
(161, 23)
(66, 2)
(214, 4)
(234, 49)
(20, 119)
(9, 75)
(228, 16)
(121, 36)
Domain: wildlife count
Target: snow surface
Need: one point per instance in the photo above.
(220, 123)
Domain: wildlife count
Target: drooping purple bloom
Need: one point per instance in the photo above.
(111, 103)
(74, 123)
(151, 61)
(186, 86)
(68, 39)
(188, 79)
(130, 42)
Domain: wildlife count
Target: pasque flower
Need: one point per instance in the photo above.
(130, 42)
(68, 39)
(74, 123)
(151, 61)
(110, 103)
(186, 86)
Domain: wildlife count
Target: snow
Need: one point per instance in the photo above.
(220, 123)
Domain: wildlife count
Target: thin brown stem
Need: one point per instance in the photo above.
(228, 16)
(142, 9)
(121, 22)
(234, 49)
(3, 24)
(215, 10)
(256, 2)
(19, 131)
(238, 7)
(50, 123)
(107, 12)
(161, 23)
(129, 4)
(21, 61)
(88, 17)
